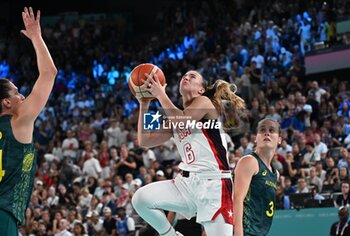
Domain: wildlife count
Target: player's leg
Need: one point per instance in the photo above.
(218, 227)
(150, 201)
(8, 225)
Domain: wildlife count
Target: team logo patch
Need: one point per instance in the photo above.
(28, 162)
(264, 173)
(151, 121)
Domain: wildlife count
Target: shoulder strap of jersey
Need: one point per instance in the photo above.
(256, 157)
(5, 118)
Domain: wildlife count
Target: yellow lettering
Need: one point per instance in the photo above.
(271, 184)
(270, 212)
(2, 172)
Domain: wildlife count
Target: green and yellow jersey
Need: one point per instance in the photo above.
(17, 171)
(259, 204)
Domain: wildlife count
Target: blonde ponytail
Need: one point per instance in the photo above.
(232, 107)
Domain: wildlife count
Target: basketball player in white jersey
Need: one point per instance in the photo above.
(204, 189)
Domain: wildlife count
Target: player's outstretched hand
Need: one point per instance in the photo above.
(31, 23)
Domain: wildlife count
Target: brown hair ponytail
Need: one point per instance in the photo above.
(232, 107)
(4, 90)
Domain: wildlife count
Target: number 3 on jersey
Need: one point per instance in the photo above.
(270, 212)
(2, 172)
(189, 153)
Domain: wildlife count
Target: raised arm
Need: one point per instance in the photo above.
(246, 168)
(148, 138)
(35, 102)
(200, 107)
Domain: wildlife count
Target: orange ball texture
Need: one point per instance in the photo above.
(137, 76)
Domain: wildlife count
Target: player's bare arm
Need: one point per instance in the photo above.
(200, 106)
(246, 168)
(35, 102)
(149, 138)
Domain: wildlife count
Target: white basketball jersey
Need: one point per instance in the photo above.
(201, 149)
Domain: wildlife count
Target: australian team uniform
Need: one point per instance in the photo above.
(17, 172)
(259, 204)
(206, 180)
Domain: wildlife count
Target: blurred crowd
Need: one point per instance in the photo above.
(89, 161)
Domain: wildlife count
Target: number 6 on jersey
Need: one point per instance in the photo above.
(189, 153)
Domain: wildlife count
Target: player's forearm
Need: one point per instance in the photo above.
(238, 216)
(169, 108)
(46, 66)
(142, 135)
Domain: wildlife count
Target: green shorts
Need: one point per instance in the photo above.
(8, 224)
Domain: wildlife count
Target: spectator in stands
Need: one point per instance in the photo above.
(314, 179)
(305, 35)
(326, 107)
(302, 186)
(274, 115)
(65, 198)
(244, 146)
(343, 175)
(258, 59)
(148, 157)
(70, 146)
(320, 147)
(282, 200)
(111, 133)
(42, 231)
(343, 158)
(127, 163)
(103, 158)
(311, 156)
(294, 84)
(316, 91)
(276, 163)
(79, 229)
(292, 168)
(91, 166)
(332, 172)
(343, 110)
(63, 229)
(109, 223)
(107, 201)
(84, 201)
(125, 224)
(339, 136)
(315, 193)
(320, 172)
(344, 198)
(73, 217)
(288, 188)
(284, 149)
(88, 151)
(97, 223)
(255, 79)
(341, 228)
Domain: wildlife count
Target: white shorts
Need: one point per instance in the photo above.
(206, 198)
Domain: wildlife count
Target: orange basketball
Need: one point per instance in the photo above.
(138, 75)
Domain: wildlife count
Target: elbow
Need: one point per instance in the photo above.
(53, 71)
(50, 72)
(143, 143)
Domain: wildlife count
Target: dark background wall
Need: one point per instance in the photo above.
(143, 13)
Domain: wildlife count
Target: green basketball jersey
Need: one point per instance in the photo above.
(17, 171)
(259, 204)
